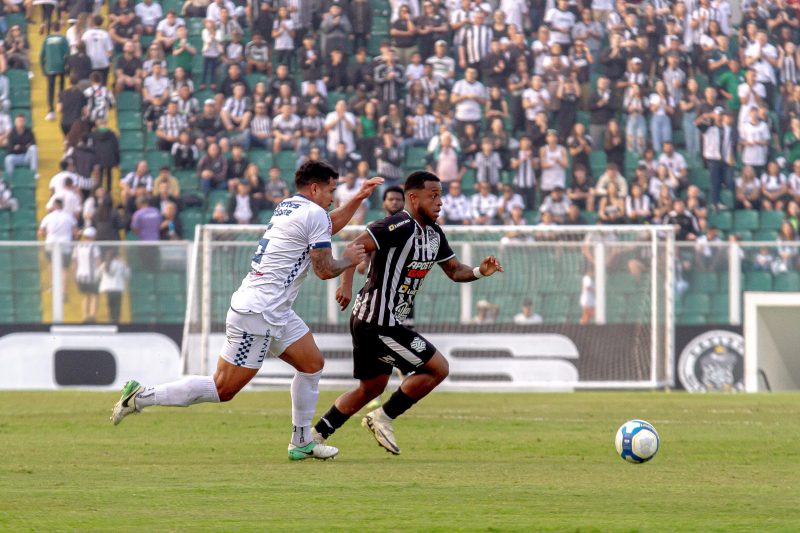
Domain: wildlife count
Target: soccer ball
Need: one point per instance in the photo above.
(637, 441)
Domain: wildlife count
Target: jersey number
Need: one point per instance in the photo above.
(261, 250)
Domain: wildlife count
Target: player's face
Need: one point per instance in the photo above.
(429, 200)
(394, 203)
(322, 193)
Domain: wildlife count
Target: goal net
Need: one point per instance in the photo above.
(577, 307)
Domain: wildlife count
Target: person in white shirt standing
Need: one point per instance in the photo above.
(754, 136)
(763, 58)
(99, 47)
(150, 14)
(59, 228)
(340, 124)
(261, 320)
(469, 97)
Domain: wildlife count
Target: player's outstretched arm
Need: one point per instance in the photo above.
(342, 214)
(327, 267)
(461, 273)
(344, 293)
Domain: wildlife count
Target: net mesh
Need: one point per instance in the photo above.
(604, 288)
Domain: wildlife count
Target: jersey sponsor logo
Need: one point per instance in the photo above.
(419, 269)
(405, 289)
(713, 361)
(401, 311)
(387, 359)
(285, 208)
(418, 345)
(402, 223)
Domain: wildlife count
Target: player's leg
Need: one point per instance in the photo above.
(349, 404)
(412, 353)
(296, 346)
(241, 358)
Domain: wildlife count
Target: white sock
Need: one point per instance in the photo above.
(181, 393)
(305, 391)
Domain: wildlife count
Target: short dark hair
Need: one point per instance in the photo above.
(394, 188)
(314, 172)
(416, 180)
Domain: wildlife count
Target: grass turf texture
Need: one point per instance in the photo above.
(490, 462)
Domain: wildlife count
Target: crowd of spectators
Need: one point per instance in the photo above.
(531, 112)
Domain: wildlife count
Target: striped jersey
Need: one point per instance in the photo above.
(406, 252)
(280, 263)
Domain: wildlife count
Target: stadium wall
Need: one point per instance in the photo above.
(564, 357)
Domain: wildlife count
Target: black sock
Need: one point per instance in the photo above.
(398, 404)
(330, 422)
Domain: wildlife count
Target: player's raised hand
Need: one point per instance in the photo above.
(344, 294)
(354, 253)
(490, 265)
(368, 186)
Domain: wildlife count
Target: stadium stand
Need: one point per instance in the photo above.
(694, 119)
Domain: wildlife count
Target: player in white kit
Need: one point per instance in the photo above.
(261, 319)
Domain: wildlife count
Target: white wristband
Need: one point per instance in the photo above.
(477, 273)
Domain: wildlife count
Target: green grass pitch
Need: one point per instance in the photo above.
(471, 462)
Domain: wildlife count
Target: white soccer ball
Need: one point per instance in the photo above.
(637, 441)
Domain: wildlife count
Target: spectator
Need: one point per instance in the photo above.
(662, 107)
(167, 29)
(70, 199)
(140, 176)
(166, 180)
(445, 160)
(389, 158)
(348, 187)
(556, 204)
(22, 148)
(527, 316)
(213, 169)
(774, 188)
(170, 228)
(286, 130)
(456, 207)
(484, 206)
(388, 78)
(53, 59)
(635, 125)
(185, 154)
(283, 33)
(696, 204)
(156, 85)
(755, 136)
(475, 43)
(685, 223)
(128, 71)
(7, 201)
(602, 109)
(71, 104)
(59, 228)
(182, 50)
(487, 165)
(554, 163)
(717, 140)
(146, 224)
(535, 100)
(637, 206)
(99, 47)
(212, 50)
(106, 220)
(689, 106)
(614, 143)
(86, 265)
(257, 56)
(106, 146)
(242, 207)
(675, 163)
(98, 97)
(509, 202)
(334, 29)
(276, 189)
(612, 175)
(114, 272)
(360, 14)
(469, 97)
(237, 112)
(579, 145)
(525, 163)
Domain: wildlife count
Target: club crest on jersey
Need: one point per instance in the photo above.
(393, 227)
(433, 242)
(418, 344)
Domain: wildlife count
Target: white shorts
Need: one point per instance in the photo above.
(248, 338)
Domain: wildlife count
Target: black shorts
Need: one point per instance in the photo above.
(376, 349)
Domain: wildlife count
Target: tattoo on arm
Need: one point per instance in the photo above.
(458, 271)
(325, 265)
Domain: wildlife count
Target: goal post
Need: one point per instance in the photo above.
(770, 341)
(578, 307)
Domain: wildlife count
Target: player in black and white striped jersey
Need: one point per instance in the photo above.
(406, 246)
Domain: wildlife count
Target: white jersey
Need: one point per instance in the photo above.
(281, 261)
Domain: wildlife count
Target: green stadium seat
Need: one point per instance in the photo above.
(158, 159)
(745, 219)
(25, 195)
(758, 281)
(720, 303)
(787, 282)
(590, 217)
(22, 177)
(764, 235)
(131, 141)
(468, 181)
(415, 157)
(598, 162)
(722, 220)
(744, 235)
(171, 282)
(195, 26)
(129, 160)
(129, 120)
(256, 78)
(700, 177)
(191, 218)
(696, 303)
(334, 97)
(727, 198)
(217, 196)
(286, 161)
(707, 282)
(261, 158)
(129, 101)
(771, 220)
(188, 180)
(374, 214)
